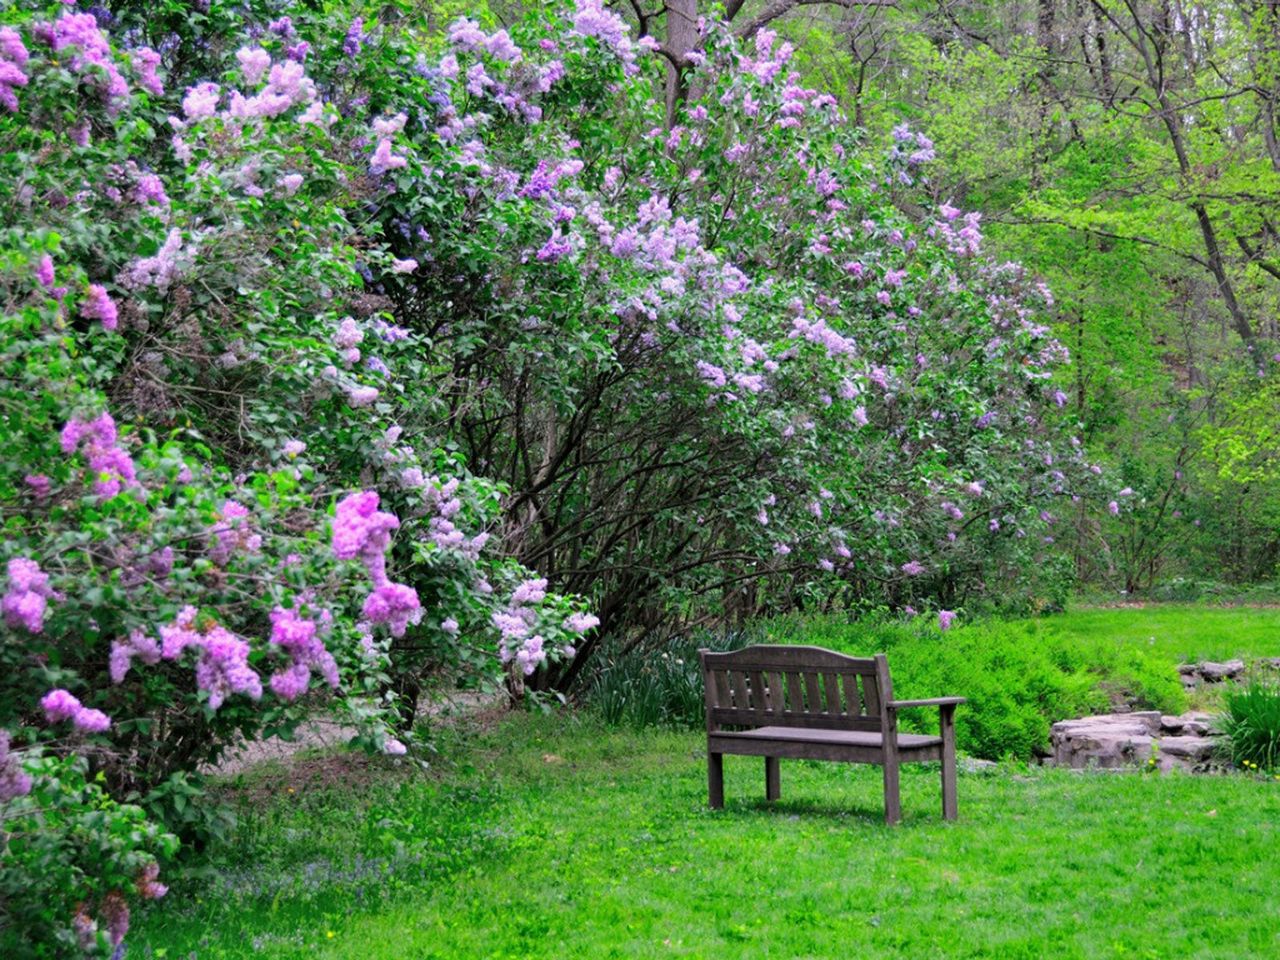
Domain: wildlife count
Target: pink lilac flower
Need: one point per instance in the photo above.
(1114, 508)
(384, 160)
(945, 619)
(139, 645)
(293, 448)
(223, 667)
(394, 604)
(298, 636)
(44, 272)
(88, 720)
(60, 705)
(530, 591)
(404, 266)
(232, 532)
(913, 568)
(394, 748)
(13, 58)
(160, 270)
(145, 62)
(290, 183)
(254, 63)
(389, 126)
(40, 485)
(98, 305)
(581, 622)
(92, 54)
(201, 101)
(27, 596)
(148, 884)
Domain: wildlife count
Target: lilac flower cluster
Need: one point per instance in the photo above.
(14, 781)
(299, 638)
(90, 54)
(13, 61)
(60, 705)
(27, 596)
(109, 463)
(232, 532)
(362, 531)
(223, 664)
(98, 305)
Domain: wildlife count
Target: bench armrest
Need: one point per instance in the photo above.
(933, 702)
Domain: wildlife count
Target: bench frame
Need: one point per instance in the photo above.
(812, 689)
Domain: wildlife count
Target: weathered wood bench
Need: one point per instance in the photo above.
(809, 703)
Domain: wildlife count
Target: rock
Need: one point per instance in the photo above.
(1188, 669)
(974, 765)
(1217, 672)
(1194, 749)
(1197, 728)
(1104, 741)
(1171, 724)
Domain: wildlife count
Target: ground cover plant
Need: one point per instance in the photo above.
(555, 837)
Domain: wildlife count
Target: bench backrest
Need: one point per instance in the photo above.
(795, 686)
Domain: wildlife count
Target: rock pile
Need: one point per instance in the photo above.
(1210, 671)
(1132, 739)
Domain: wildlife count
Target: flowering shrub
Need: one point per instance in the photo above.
(202, 465)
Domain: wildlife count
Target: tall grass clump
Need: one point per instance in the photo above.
(1251, 723)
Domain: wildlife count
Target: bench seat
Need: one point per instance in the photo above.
(798, 743)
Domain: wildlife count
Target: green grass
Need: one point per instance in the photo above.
(553, 837)
(1177, 632)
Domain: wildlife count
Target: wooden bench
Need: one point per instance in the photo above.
(809, 703)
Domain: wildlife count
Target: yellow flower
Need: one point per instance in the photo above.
(330, 934)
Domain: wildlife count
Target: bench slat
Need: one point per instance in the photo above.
(795, 699)
(851, 694)
(831, 684)
(812, 694)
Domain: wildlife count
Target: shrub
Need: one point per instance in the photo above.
(72, 860)
(1251, 723)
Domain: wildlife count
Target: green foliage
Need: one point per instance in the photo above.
(70, 855)
(1251, 722)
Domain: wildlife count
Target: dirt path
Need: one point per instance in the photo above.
(327, 733)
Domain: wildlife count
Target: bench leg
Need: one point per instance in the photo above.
(950, 803)
(892, 798)
(772, 779)
(715, 780)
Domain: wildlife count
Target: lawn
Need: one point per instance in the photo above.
(553, 837)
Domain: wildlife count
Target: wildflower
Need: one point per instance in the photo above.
(945, 619)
